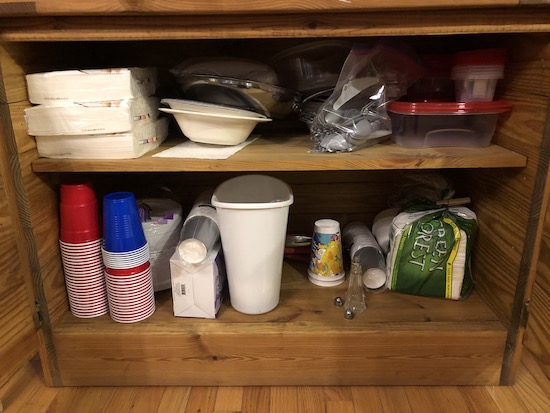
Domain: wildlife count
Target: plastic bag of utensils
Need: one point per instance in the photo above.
(354, 116)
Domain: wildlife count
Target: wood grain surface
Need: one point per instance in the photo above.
(348, 25)
(408, 341)
(393, 342)
(84, 7)
(25, 392)
(18, 338)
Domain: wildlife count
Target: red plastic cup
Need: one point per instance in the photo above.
(122, 272)
(77, 193)
(79, 217)
(76, 237)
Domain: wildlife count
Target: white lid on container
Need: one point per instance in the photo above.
(252, 191)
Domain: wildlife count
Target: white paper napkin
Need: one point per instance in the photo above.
(190, 149)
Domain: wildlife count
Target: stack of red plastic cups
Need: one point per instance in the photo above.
(80, 246)
(127, 261)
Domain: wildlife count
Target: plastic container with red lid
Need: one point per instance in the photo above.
(436, 124)
(476, 74)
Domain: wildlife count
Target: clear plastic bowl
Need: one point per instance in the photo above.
(311, 67)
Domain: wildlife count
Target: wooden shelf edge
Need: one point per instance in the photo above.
(399, 339)
(362, 21)
(157, 7)
(305, 309)
(291, 153)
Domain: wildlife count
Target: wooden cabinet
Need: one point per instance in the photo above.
(400, 339)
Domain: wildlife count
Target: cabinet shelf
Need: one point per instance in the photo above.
(399, 339)
(291, 153)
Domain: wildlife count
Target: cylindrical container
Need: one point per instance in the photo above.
(326, 267)
(161, 225)
(200, 233)
(381, 227)
(122, 229)
(253, 216)
(476, 73)
(363, 246)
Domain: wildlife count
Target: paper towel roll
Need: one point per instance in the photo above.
(162, 230)
(381, 227)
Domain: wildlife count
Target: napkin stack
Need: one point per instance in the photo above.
(95, 114)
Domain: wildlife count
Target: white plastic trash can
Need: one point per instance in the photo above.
(253, 216)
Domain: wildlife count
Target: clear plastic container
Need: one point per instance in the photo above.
(476, 74)
(311, 67)
(434, 124)
(436, 84)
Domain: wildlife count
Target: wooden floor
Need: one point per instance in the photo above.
(26, 393)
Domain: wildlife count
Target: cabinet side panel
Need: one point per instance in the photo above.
(33, 218)
(18, 341)
(537, 333)
(509, 202)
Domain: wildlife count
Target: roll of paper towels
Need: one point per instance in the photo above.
(162, 221)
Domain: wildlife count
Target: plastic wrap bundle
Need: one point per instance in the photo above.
(162, 220)
(430, 252)
(363, 246)
(200, 234)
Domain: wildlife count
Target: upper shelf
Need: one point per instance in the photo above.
(110, 7)
(291, 153)
(225, 20)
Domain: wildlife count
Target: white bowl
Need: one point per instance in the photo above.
(215, 128)
(204, 107)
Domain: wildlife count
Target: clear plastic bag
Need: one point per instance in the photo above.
(354, 116)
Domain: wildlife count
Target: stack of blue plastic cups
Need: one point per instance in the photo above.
(127, 261)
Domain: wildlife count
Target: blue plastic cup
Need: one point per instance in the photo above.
(122, 227)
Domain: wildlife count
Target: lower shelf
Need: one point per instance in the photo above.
(399, 340)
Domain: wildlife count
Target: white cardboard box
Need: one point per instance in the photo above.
(197, 290)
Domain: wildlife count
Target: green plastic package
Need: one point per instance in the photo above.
(430, 252)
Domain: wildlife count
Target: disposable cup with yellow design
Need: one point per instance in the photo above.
(326, 266)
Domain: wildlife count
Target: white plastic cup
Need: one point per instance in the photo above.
(252, 212)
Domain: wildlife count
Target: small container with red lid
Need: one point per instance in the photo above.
(476, 73)
(436, 124)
